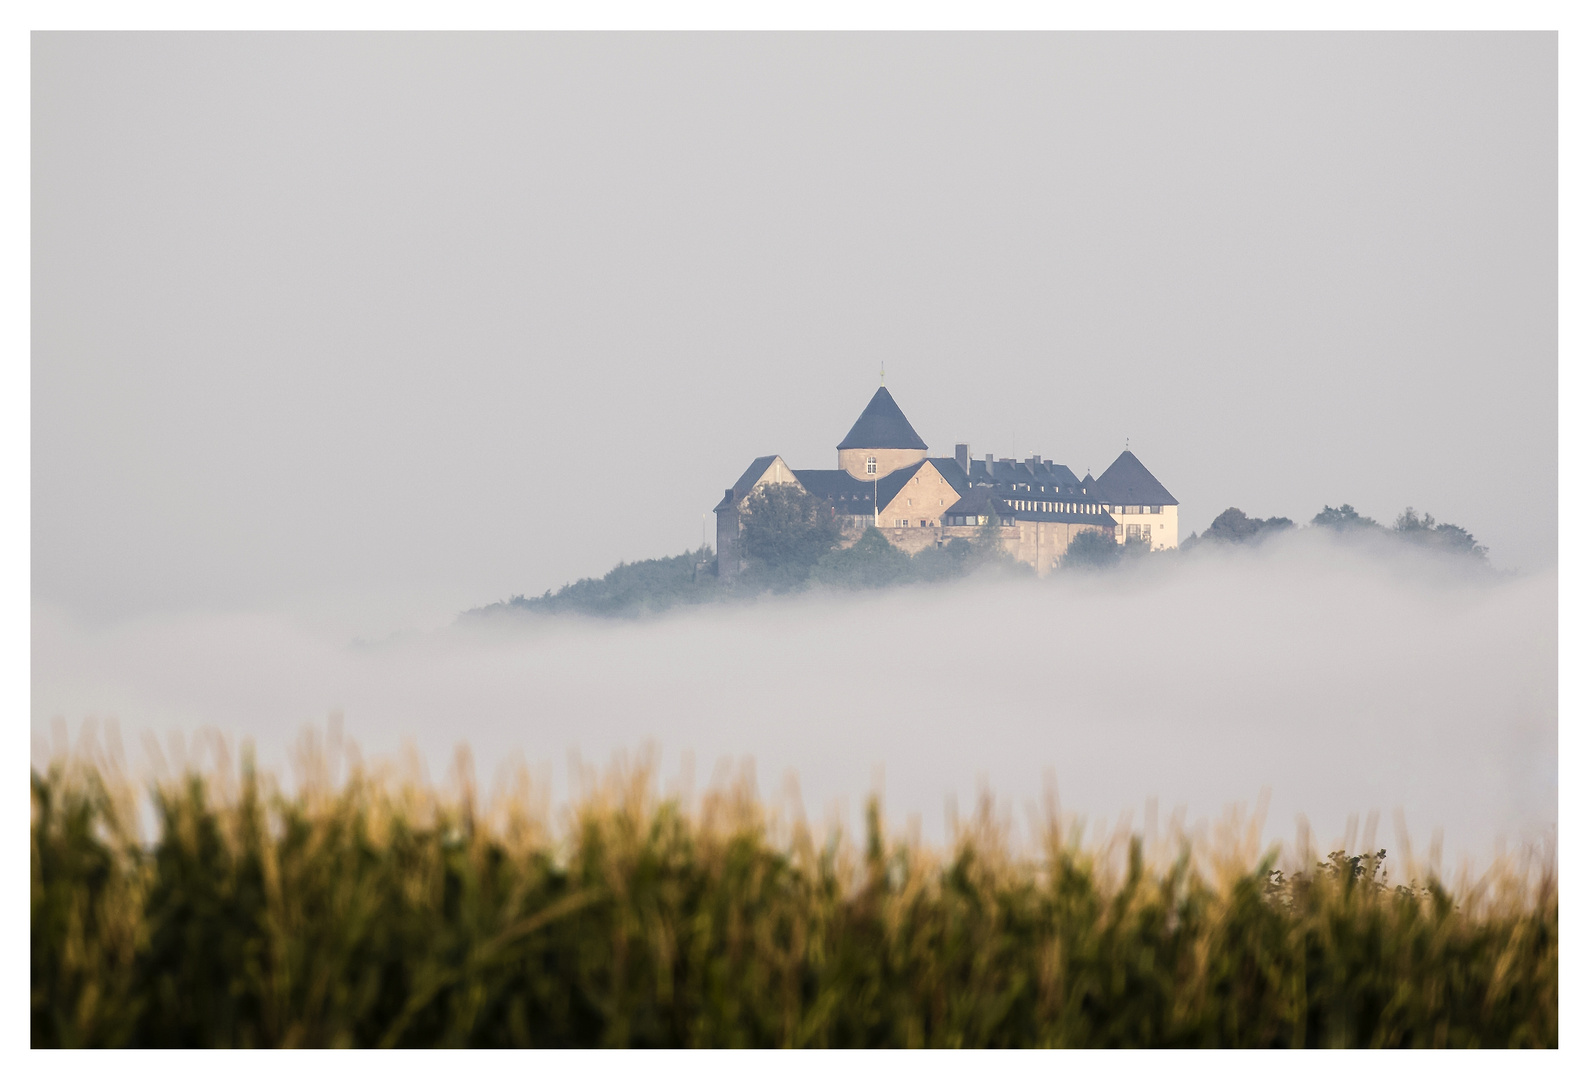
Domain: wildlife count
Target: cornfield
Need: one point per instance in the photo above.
(383, 911)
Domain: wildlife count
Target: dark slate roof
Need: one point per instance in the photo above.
(883, 427)
(852, 496)
(1128, 481)
(949, 469)
(1032, 475)
(847, 494)
(743, 485)
(977, 502)
(979, 498)
(895, 482)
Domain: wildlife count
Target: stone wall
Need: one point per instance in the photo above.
(854, 461)
(1038, 544)
(729, 559)
(923, 499)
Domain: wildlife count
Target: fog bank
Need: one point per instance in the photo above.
(1346, 679)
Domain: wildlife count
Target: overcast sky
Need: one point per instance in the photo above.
(435, 319)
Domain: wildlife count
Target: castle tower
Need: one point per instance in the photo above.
(881, 441)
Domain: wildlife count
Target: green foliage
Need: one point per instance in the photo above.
(87, 916)
(1343, 519)
(953, 560)
(1444, 537)
(785, 532)
(990, 533)
(1410, 527)
(869, 563)
(368, 917)
(1235, 527)
(792, 541)
(1091, 550)
(638, 588)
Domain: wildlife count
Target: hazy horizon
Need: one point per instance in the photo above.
(335, 336)
(366, 320)
(1345, 678)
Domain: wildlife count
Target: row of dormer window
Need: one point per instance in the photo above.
(1039, 507)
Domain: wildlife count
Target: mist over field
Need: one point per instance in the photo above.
(1347, 678)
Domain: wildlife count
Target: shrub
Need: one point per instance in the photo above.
(1091, 550)
(869, 563)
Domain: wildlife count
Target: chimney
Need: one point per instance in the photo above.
(728, 493)
(989, 459)
(963, 457)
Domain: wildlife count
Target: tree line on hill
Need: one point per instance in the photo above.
(791, 543)
(1235, 527)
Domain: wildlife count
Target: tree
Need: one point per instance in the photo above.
(1091, 550)
(1443, 537)
(1235, 527)
(785, 531)
(628, 589)
(955, 559)
(987, 549)
(869, 563)
(1343, 518)
(990, 537)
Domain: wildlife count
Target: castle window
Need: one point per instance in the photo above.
(871, 466)
(1159, 510)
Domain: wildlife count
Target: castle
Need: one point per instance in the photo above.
(886, 478)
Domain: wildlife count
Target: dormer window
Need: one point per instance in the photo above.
(871, 466)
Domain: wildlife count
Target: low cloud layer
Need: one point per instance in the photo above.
(1346, 679)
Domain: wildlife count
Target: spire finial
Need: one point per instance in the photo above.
(882, 375)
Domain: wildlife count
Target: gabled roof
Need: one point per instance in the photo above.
(847, 494)
(851, 496)
(746, 481)
(978, 501)
(892, 484)
(950, 470)
(882, 427)
(1128, 481)
(889, 491)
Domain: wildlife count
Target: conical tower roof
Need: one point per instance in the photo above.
(882, 427)
(1128, 481)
